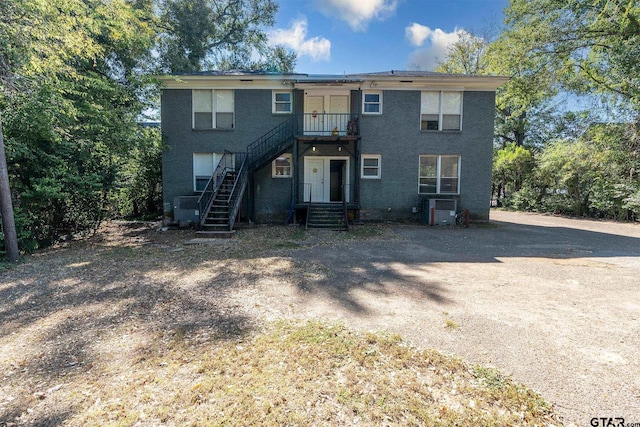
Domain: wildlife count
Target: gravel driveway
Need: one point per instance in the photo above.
(553, 302)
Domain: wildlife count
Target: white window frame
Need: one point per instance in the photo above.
(204, 157)
(274, 167)
(440, 109)
(439, 176)
(215, 107)
(275, 102)
(378, 103)
(378, 168)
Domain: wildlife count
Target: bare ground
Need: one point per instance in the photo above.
(553, 302)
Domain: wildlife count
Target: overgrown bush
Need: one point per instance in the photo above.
(139, 192)
(527, 199)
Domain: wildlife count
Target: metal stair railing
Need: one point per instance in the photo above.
(239, 185)
(344, 207)
(272, 143)
(262, 150)
(306, 224)
(213, 185)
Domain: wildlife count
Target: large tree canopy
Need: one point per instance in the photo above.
(69, 97)
(198, 35)
(74, 80)
(584, 45)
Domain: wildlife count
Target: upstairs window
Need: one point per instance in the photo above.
(372, 103)
(441, 111)
(282, 103)
(213, 109)
(439, 175)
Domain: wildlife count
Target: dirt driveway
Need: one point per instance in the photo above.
(553, 302)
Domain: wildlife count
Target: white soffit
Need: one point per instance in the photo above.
(284, 82)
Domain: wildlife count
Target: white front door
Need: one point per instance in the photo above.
(314, 179)
(324, 178)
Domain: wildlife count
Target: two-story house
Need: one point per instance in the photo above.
(274, 147)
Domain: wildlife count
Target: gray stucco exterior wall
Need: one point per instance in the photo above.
(395, 135)
(253, 118)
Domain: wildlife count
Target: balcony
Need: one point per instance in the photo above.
(329, 127)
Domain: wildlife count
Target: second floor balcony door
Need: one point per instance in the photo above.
(338, 107)
(326, 113)
(314, 115)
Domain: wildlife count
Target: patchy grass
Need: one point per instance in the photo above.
(307, 374)
(448, 323)
(131, 327)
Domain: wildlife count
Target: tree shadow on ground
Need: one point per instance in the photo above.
(69, 309)
(378, 267)
(67, 312)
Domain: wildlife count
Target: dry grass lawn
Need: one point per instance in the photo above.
(131, 327)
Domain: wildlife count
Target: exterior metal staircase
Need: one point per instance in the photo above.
(220, 201)
(216, 221)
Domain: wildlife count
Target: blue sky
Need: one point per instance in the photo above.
(353, 36)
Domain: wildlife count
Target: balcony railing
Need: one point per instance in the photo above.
(321, 193)
(330, 124)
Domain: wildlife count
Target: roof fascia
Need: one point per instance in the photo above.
(287, 82)
(465, 83)
(226, 82)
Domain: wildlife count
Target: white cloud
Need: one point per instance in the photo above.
(417, 33)
(318, 48)
(358, 13)
(436, 45)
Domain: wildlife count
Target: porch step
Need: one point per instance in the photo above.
(215, 226)
(327, 216)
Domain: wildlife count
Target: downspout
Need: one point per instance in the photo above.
(296, 171)
(357, 143)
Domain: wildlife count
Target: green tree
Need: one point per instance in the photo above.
(567, 170)
(512, 165)
(200, 35)
(466, 56)
(70, 101)
(584, 45)
(140, 182)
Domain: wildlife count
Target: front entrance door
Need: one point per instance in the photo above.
(336, 180)
(314, 179)
(324, 178)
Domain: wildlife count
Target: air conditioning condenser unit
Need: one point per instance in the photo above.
(442, 211)
(185, 209)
